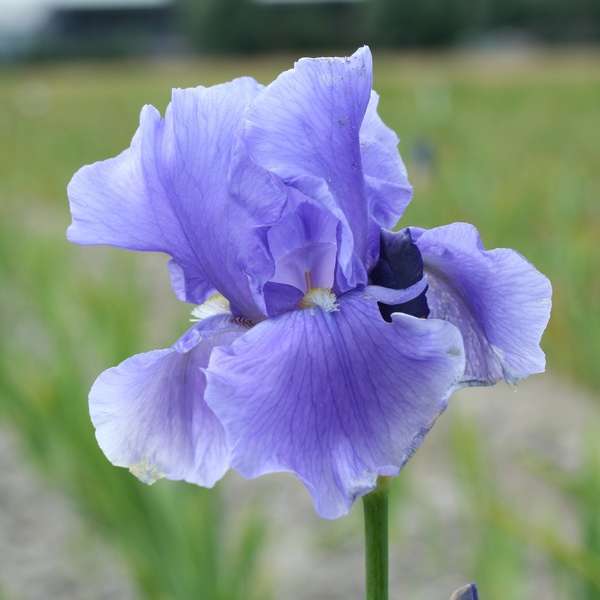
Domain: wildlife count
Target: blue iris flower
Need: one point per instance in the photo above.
(324, 344)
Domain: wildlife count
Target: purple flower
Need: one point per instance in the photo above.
(467, 592)
(325, 345)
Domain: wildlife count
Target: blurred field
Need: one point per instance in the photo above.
(509, 143)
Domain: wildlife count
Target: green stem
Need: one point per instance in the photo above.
(375, 507)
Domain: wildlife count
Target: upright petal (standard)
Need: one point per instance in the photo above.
(305, 128)
(176, 190)
(388, 189)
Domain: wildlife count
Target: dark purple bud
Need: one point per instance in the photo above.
(400, 265)
(467, 592)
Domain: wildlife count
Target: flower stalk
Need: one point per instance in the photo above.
(375, 506)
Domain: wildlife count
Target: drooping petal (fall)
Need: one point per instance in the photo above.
(342, 398)
(499, 301)
(150, 415)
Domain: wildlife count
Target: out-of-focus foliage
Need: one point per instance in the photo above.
(246, 25)
(424, 23)
(443, 22)
(249, 26)
(505, 536)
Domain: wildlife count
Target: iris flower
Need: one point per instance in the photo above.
(324, 344)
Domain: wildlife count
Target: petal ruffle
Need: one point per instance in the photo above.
(177, 190)
(305, 127)
(150, 414)
(499, 301)
(388, 189)
(338, 398)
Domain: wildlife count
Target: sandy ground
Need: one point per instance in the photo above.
(43, 554)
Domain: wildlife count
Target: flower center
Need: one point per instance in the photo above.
(320, 297)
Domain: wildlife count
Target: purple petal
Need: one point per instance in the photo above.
(467, 592)
(305, 128)
(189, 286)
(392, 297)
(281, 297)
(150, 415)
(388, 189)
(499, 301)
(177, 190)
(338, 398)
(350, 269)
(303, 247)
(304, 244)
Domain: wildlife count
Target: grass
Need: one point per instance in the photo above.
(510, 146)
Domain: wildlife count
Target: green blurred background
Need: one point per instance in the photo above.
(505, 136)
